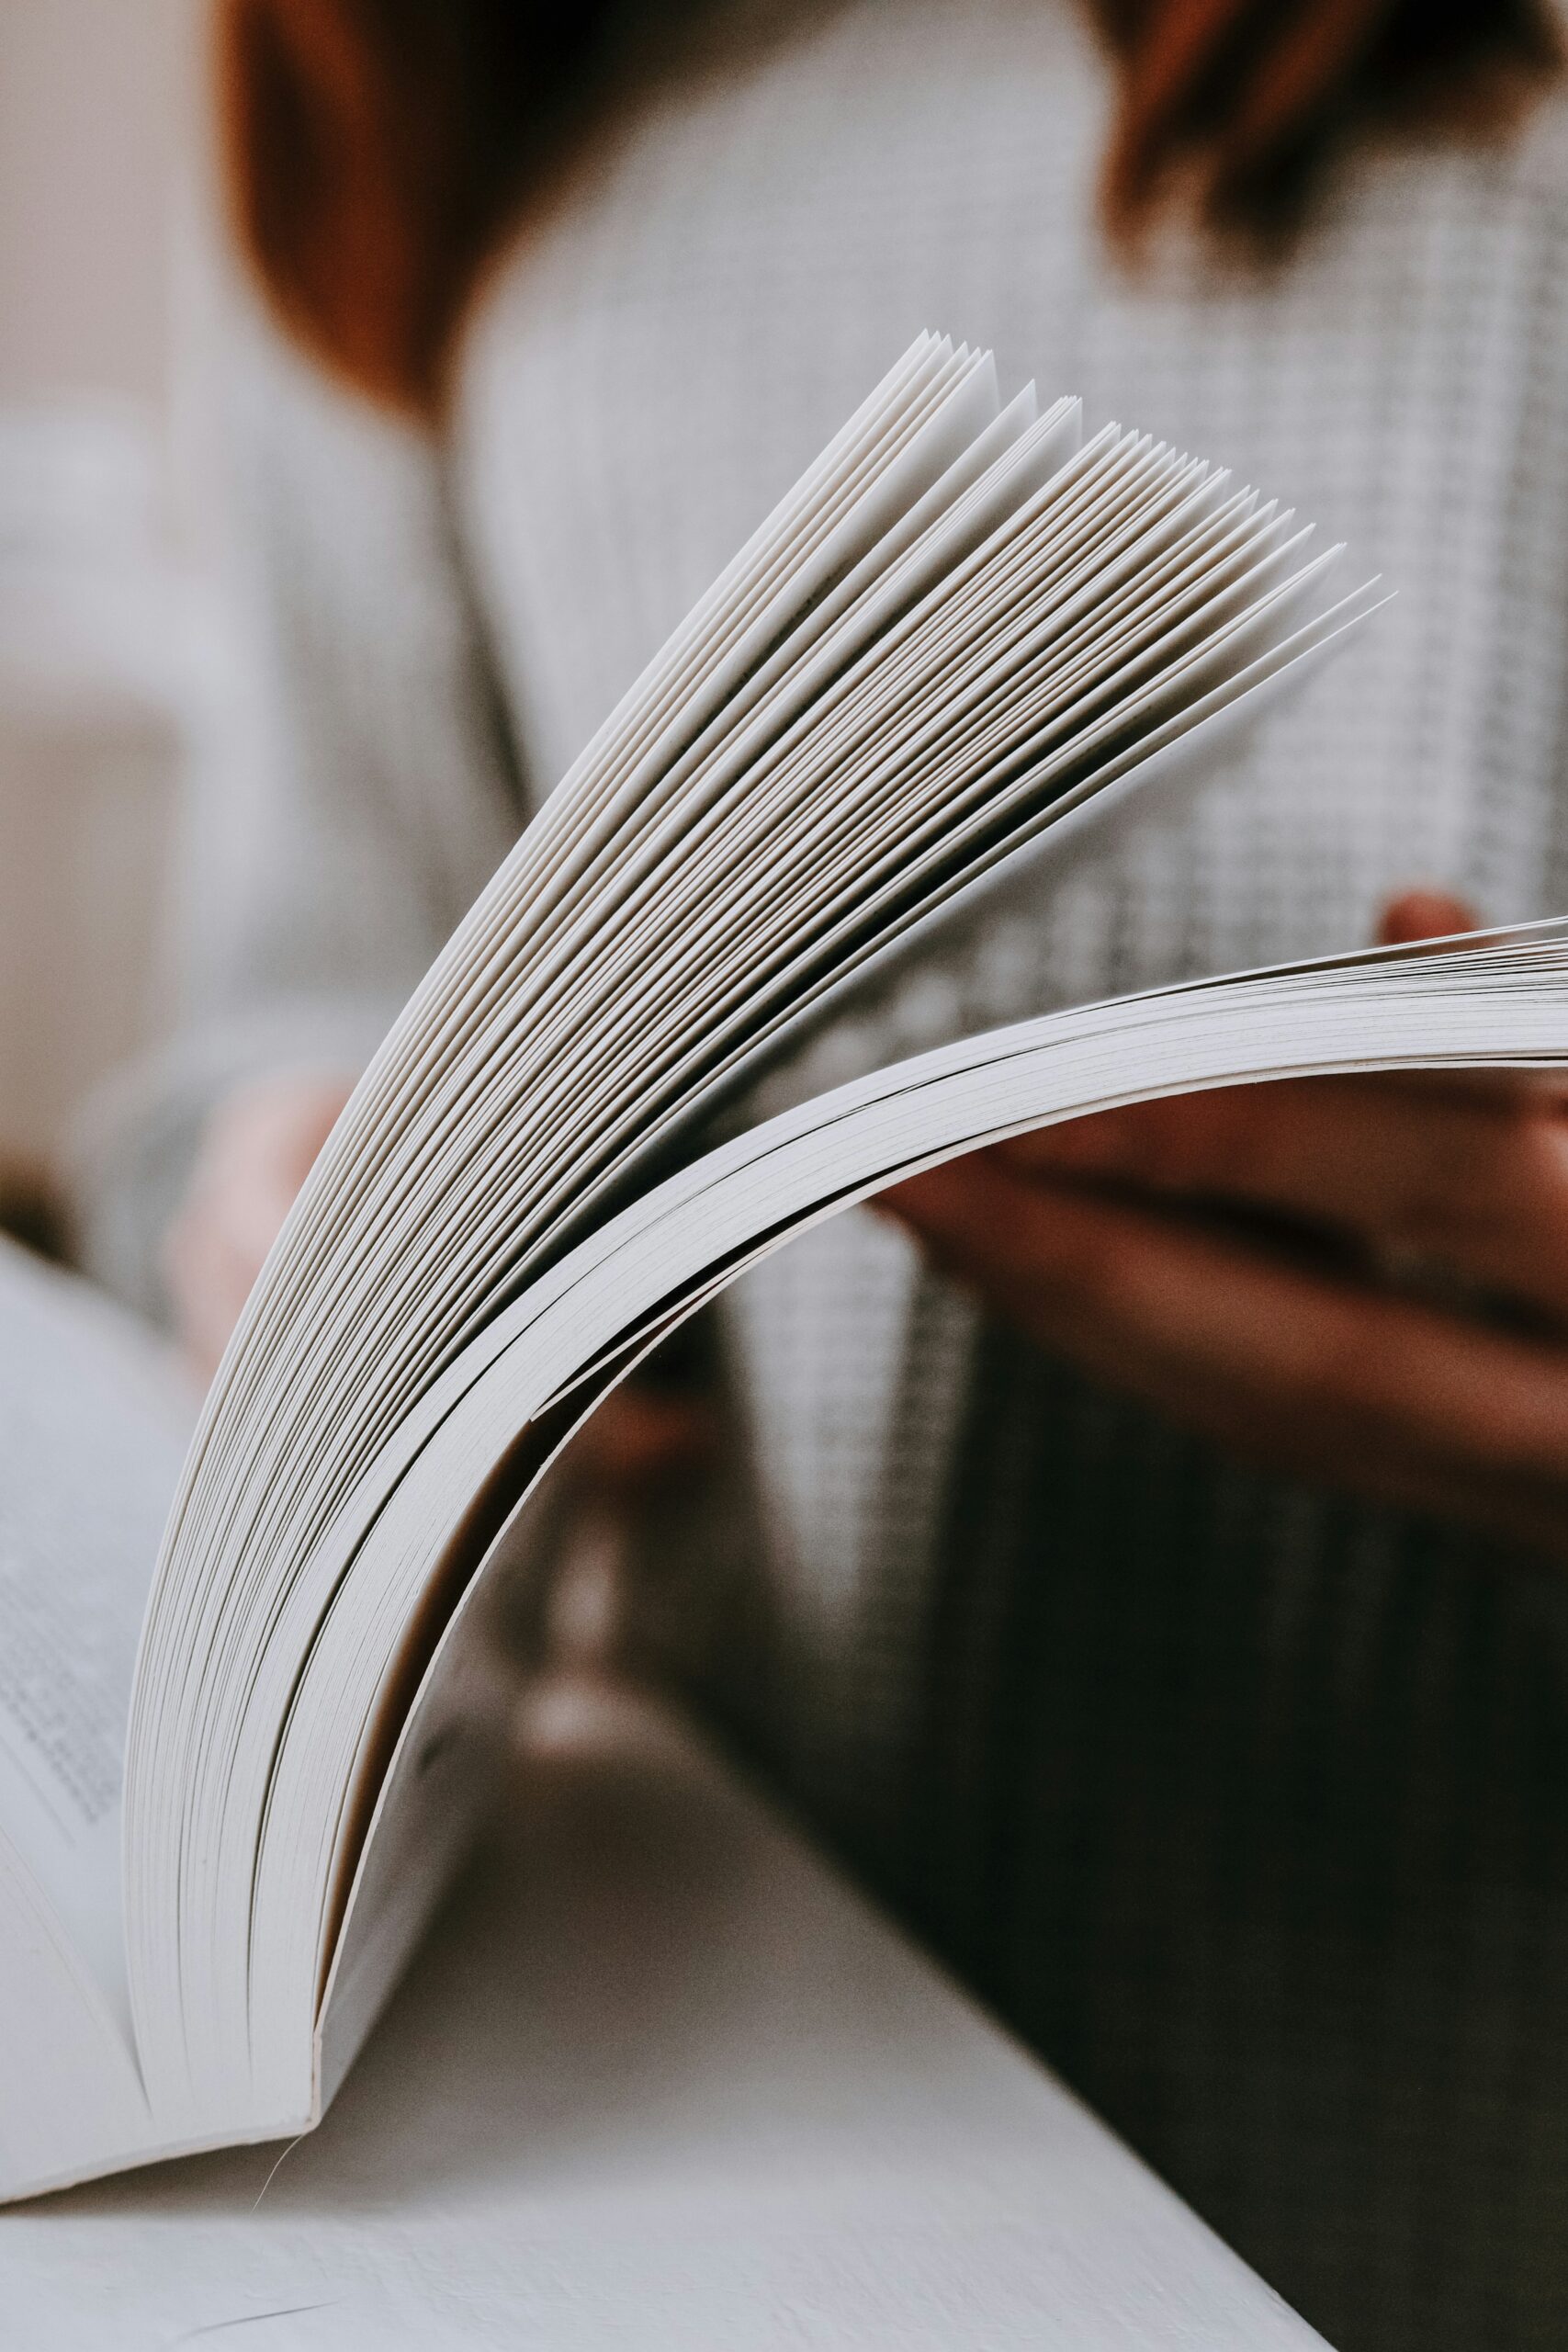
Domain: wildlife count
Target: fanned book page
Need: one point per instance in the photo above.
(970, 630)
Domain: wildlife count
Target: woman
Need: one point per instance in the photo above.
(1171, 1627)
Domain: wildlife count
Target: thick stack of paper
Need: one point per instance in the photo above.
(968, 630)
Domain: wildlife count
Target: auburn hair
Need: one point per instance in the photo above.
(377, 148)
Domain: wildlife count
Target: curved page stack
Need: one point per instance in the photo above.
(970, 630)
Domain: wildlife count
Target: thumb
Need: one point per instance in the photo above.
(1424, 914)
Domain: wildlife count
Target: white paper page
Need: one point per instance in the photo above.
(845, 500)
(93, 1429)
(1141, 455)
(774, 815)
(1177, 758)
(459, 1228)
(738, 972)
(1499, 1003)
(564, 1080)
(811, 672)
(461, 1089)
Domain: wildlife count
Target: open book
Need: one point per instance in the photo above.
(968, 631)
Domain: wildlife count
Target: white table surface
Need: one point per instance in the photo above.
(659, 2080)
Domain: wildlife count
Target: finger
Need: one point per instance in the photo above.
(1477, 1183)
(1424, 914)
(215, 1252)
(250, 1216)
(205, 1290)
(1320, 1376)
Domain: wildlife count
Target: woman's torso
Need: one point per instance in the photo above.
(1245, 1803)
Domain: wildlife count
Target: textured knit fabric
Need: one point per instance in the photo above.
(1247, 1805)
(357, 792)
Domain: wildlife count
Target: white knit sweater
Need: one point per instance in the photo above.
(1243, 1803)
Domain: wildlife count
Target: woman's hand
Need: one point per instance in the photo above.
(1099, 1239)
(257, 1150)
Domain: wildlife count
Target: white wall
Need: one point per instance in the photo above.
(96, 99)
(102, 131)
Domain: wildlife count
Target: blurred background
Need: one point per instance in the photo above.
(112, 648)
